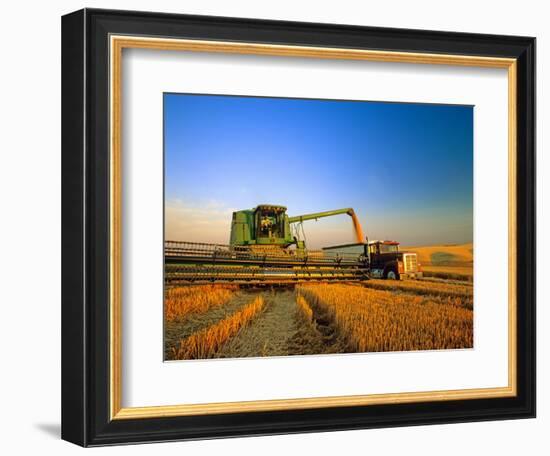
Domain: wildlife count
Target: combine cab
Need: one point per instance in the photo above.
(385, 259)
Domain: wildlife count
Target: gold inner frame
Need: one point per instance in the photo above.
(117, 44)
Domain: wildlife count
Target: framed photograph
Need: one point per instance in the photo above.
(278, 227)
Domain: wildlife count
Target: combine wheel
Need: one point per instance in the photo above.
(391, 275)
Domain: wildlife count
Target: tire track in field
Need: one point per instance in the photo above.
(269, 334)
(318, 337)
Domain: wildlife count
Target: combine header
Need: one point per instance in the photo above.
(265, 247)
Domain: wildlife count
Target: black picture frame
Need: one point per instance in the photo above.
(85, 228)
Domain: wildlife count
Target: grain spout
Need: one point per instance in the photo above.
(358, 229)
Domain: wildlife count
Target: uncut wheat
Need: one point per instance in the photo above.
(181, 302)
(375, 320)
(304, 311)
(448, 293)
(207, 342)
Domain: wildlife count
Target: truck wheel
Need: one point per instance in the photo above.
(391, 275)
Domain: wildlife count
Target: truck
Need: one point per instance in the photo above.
(385, 259)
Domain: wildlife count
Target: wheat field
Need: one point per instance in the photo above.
(204, 343)
(378, 320)
(216, 321)
(181, 302)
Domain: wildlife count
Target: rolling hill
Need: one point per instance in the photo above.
(445, 260)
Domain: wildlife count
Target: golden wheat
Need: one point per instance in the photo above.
(304, 310)
(181, 302)
(448, 293)
(427, 287)
(374, 320)
(207, 342)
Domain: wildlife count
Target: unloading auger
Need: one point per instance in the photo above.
(264, 247)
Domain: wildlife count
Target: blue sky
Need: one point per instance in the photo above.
(406, 169)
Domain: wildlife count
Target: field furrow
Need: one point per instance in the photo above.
(317, 333)
(270, 333)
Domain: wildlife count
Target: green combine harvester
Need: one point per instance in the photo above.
(270, 226)
(266, 246)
